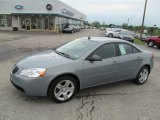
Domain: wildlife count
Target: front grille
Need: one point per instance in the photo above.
(15, 70)
(125, 38)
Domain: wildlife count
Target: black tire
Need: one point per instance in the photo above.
(51, 90)
(150, 43)
(137, 80)
(158, 46)
(110, 35)
(72, 32)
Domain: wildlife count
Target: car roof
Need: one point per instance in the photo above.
(104, 39)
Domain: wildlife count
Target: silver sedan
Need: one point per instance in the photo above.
(82, 63)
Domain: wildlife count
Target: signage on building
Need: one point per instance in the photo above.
(67, 12)
(49, 7)
(19, 7)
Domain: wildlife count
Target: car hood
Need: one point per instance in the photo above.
(44, 59)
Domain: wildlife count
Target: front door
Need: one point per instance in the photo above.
(101, 72)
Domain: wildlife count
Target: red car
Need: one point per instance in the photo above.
(151, 41)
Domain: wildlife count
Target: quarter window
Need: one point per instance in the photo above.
(127, 49)
(106, 51)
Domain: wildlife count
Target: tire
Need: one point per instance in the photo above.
(142, 76)
(62, 89)
(110, 35)
(158, 46)
(72, 32)
(151, 43)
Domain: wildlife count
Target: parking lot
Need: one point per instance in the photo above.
(118, 101)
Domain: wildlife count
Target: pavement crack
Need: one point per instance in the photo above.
(80, 117)
(86, 109)
(91, 112)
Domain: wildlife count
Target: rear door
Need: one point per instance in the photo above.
(129, 61)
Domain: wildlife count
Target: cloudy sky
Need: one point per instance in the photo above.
(118, 11)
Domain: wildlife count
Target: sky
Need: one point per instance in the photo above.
(118, 11)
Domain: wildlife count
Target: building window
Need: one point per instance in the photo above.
(5, 21)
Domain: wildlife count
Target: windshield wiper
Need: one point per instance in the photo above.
(63, 54)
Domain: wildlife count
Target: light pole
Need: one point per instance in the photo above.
(143, 18)
(129, 21)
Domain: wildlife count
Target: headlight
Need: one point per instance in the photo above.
(34, 72)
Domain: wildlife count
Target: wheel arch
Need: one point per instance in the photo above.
(150, 40)
(65, 74)
(147, 65)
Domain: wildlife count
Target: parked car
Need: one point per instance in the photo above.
(79, 64)
(112, 32)
(69, 29)
(126, 35)
(82, 27)
(155, 40)
(86, 27)
(78, 28)
(143, 38)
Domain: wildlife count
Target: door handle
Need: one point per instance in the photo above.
(114, 62)
(138, 58)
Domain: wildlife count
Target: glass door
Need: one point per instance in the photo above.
(28, 24)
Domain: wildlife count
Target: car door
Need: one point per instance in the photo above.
(129, 61)
(100, 72)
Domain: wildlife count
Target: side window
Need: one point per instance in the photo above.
(125, 49)
(106, 51)
(135, 50)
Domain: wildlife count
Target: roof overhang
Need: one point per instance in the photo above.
(48, 14)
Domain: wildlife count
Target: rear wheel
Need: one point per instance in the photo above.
(62, 89)
(150, 43)
(110, 35)
(142, 76)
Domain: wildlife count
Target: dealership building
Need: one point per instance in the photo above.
(38, 15)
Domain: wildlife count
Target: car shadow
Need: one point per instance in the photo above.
(102, 90)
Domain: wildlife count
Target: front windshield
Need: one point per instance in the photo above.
(77, 48)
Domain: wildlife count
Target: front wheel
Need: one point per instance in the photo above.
(150, 43)
(142, 76)
(158, 46)
(62, 89)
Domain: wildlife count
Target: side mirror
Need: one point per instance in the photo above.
(95, 58)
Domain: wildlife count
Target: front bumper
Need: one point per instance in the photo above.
(31, 86)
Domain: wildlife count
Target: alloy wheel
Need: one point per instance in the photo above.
(64, 90)
(143, 75)
(151, 43)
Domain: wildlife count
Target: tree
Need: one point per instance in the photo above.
(103, 24)
(124, 26)
(130, 27)
(96, 24)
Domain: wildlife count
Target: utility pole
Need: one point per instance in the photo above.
(143, 19)
(128, 21)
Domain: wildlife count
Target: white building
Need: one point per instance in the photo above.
(37, 15)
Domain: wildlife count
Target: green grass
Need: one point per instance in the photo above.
(137, 41)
